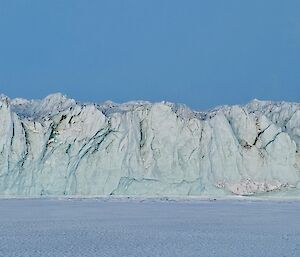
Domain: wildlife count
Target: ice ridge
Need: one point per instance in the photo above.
(58, 146)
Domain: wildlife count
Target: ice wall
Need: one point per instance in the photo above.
(57, 146)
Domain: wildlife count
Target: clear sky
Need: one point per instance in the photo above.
(201, 53)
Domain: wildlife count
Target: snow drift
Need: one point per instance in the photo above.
(57, 146)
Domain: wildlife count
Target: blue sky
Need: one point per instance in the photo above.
(201, 53)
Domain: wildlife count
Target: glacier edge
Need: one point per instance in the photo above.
(58, 146)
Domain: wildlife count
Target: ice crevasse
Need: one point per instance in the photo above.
(57, 146)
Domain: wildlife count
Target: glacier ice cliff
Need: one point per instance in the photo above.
(57, 146)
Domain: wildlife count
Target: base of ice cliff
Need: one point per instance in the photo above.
(57, 146)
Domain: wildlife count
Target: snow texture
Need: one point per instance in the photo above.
(57, 146)
(91, 227)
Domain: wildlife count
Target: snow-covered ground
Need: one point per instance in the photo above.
(121, 227)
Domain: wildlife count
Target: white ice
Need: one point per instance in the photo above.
(57, 146)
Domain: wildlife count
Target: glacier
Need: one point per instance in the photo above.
(58, 146)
